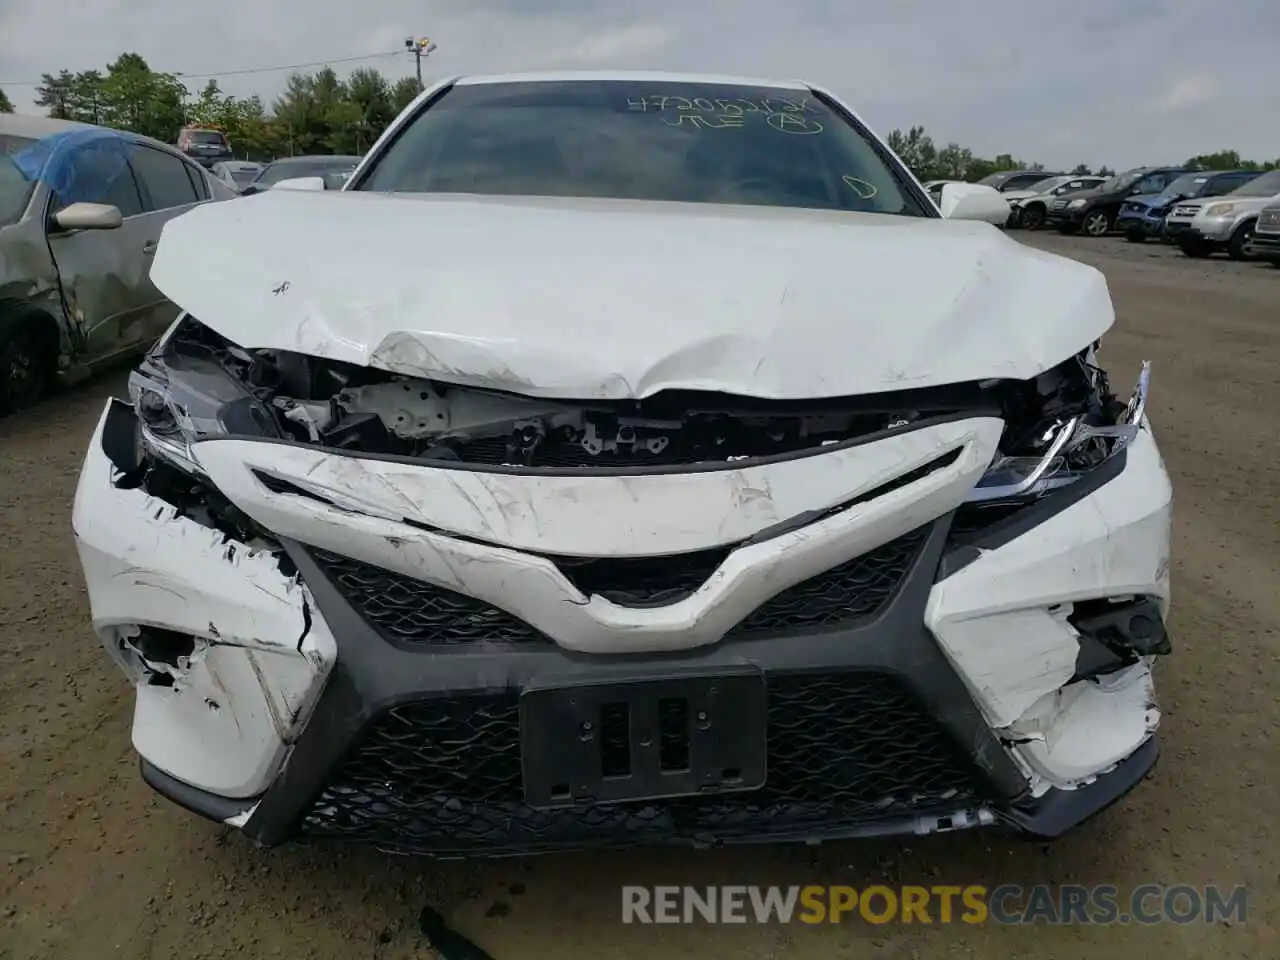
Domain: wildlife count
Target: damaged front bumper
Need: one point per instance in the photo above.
(946, 676)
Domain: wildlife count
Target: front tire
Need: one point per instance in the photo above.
(1097, 223)
(26, 365)
(1238, 245)
(1196, 249)
(1032, 218)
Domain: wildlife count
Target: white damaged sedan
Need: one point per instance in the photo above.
(628, 458)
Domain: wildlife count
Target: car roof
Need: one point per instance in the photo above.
(657, 76)
(37, 128)
(311, 157)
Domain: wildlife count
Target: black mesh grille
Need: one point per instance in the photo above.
(409, 610)
(642, 581)
(855, 589)
(414, 611)
(444, 776)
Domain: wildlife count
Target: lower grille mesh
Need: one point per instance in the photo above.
(413, 611)
(444, 776)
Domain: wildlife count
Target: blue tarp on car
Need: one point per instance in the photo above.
(80, 166)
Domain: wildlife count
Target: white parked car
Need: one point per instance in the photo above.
(628, 458)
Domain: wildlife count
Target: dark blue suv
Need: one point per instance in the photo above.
(1142, 216)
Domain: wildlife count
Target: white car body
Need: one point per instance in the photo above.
(554, 301)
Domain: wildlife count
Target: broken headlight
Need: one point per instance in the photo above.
(182, 398)
(1070, 446)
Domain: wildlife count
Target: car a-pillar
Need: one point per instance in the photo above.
(28, 354)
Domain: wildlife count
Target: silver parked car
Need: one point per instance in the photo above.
(81, 208)
(1225, 223)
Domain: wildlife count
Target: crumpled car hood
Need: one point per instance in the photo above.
(606, 299)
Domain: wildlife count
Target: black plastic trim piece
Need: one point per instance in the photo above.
(1022, 522)
(1059, 811)
(201, 802)
(119, 435)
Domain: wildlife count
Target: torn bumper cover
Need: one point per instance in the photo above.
(874, 637)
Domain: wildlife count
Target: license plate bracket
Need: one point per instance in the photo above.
(643, 738)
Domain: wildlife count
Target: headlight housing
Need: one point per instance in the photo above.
(1220, 209)
(182, 398)
(1071, 448)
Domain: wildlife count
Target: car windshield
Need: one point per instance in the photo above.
(15, 186)
(692, 142)
(1267, 185)
(995, 179)
(273, 173)
(1188, 185)
(211, 137)
(244, 175)
(1122, 181)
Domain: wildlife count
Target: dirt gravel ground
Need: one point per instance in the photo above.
(93, 865)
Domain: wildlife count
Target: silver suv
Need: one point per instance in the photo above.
(1225, 223)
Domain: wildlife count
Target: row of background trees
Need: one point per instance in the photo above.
(317, 112)
(323, 113)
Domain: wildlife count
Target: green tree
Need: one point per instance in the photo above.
(403, 92)
(1222, 160)
(6, 105)
(954, 162)
(139, 99)
(87, 101)
(917, 151)
(250, 129)
(1081, 170)
(54, 93)
(299, 116)
(370, 96)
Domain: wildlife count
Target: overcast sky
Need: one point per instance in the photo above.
(1121, 82)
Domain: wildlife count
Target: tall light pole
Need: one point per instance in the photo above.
(420, 48)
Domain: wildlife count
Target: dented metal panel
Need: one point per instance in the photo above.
(629, 298)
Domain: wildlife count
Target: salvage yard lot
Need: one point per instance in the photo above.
(93, 865)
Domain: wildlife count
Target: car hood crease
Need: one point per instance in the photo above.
(608, 299)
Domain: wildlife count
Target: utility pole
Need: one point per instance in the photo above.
(419, 48)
